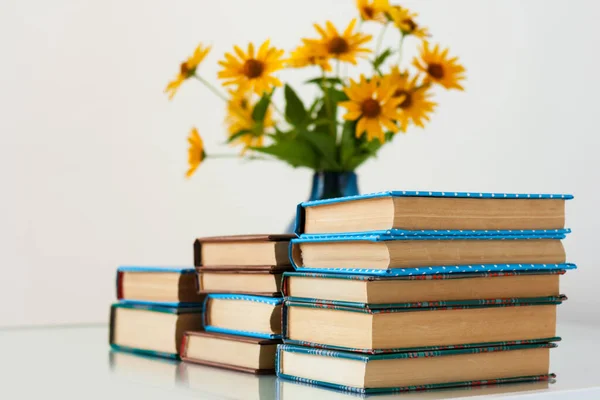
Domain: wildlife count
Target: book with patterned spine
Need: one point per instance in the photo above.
(384, 254)
(430, 213)
(414, 370)
(435, 325)
(368, 291)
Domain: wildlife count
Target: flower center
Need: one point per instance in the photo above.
(338, 45)
(244, 104)
(410, 23)
(407, 102)
(369, 12)
(253, 68)
(185, 70)
(370, 108)
(435, 70)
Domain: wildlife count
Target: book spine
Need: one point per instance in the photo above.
(197, 253)
(119, 284)
(184, 345)
(299, 223)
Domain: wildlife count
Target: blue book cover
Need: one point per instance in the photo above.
(475, 371)
(434, 295)
(449, 242)
(490, 218)
(275, 303)
(156, 308)
(465, 318)
(184, 290)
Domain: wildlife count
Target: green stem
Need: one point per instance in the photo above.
(327, 104)
(211, 87)
(380, 40)
(237, 156)
(400, 47)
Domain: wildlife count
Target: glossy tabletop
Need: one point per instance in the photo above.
(76, 362)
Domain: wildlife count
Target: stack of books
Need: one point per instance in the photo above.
(241, 278)
(156, 305)
(400, 291)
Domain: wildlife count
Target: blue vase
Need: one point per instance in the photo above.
(327, 185)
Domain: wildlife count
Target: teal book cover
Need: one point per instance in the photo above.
(543, 215)
(420, 326)
(414, 370)
(148, 333)
(424, 290)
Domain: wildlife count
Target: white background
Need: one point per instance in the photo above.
(93, 155)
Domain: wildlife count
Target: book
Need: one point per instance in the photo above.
(419, 325)
(218, 383)
(151, 329)
(261, 281)
(242, 250)
(405, 210)
(240, 353)
(383, 252)
(410, 371)
(171, 286)
(393, 291)
(296, 390)
(236, 314)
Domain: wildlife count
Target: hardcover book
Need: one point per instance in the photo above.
(151, 329)
(240, 353)
(411, 371)
(383, 252)
(427, 325)
(236, 314)
(393, 291)
(169, 286)
(430, 211)
(242, 250)
(260, 281)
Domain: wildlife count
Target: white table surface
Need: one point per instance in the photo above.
(76, 362)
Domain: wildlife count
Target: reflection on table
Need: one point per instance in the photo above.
(209, 382)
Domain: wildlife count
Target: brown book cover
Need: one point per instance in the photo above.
(245, 339)
(236, 238)
(243, 270)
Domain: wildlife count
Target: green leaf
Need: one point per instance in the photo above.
(297, 153)
(239, 134)
(294, 108)
(325, 145)
(320, 81)
(381, 58)
(260, 109)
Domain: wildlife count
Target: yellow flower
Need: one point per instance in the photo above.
(252, 71)
(405, 21)
(345, 47)
(187, 69)
(309, 54)
(373, 10)
(372, 104)
(239, 118)
(439, 68)
(196, 152)
(415, 105)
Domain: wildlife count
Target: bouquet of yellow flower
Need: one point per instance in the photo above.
(311, 134)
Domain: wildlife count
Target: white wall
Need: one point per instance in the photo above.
(93, 154)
